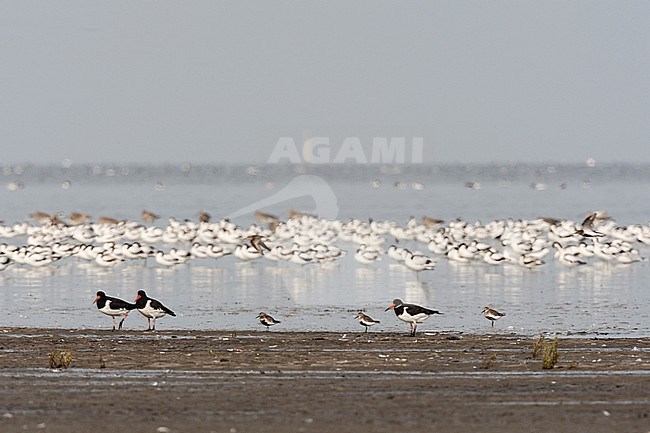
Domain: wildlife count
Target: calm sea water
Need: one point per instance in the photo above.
(227, 295)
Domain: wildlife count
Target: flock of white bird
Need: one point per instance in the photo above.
(305, 239)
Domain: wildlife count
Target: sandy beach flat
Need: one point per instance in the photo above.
(203, 381)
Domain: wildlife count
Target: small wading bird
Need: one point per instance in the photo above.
(366, 320)
(411, 313)
(492, 315)
(151, 309)
(267, 320)
(588, 228)
(204, 217)
(148, 216)
(113, 307)
(257, 242)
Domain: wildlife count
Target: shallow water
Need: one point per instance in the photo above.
(206, 294)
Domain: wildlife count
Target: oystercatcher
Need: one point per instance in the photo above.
(151, 309)
(366, 320)
(113, 307)
(411, 313)
(492, 315)
(267, 320)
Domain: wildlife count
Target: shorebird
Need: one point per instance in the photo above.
(301, 258)
(149, 217)
(272, 221)
(411, 313)
(246, 253)
(108, 259)
(588, 228)
(418, 262)
(151, 309)
(397, 253)
(493, 257)
(78, 218)
(113, 307)
(367, 255)
(41, 217)
(167, 259)
(366, 320)
(257, 242)
(4, 262)
(492, 315)
(429, 222)
(294, 214)
(267, 320)
(107, 220)
(204, 217)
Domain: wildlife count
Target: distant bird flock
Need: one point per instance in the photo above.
(305, 239)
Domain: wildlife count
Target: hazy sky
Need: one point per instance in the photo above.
(217, 81)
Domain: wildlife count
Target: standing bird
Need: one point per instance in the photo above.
(257, 242)
(271, 220)
(366, 320)
(492, 315)
(151, 309)
(588, 228)
(267, 320)
(113, 307)
(411, 313)
(204, 217)
(148, 216)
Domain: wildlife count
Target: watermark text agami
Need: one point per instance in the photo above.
(318, 150)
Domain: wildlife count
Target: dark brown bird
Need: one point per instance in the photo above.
(204, 217)
(588, 229)
(107, 220)
(431, 222)
(257, 242)
(294, 214)
(149, 217)
(271, 220)
(77, 218)
(265, 217)
(41, 217)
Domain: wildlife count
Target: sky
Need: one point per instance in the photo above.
(230, 81)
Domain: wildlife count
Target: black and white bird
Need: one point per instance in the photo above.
(411, 313)
(113, 307)
(492, 315)
(366, 320)
(151, 309)
(267, 320)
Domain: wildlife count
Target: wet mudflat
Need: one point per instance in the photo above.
(202, 381)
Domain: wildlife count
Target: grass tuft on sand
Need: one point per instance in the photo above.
(538, 345)
(550, 355)
(60, 359)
